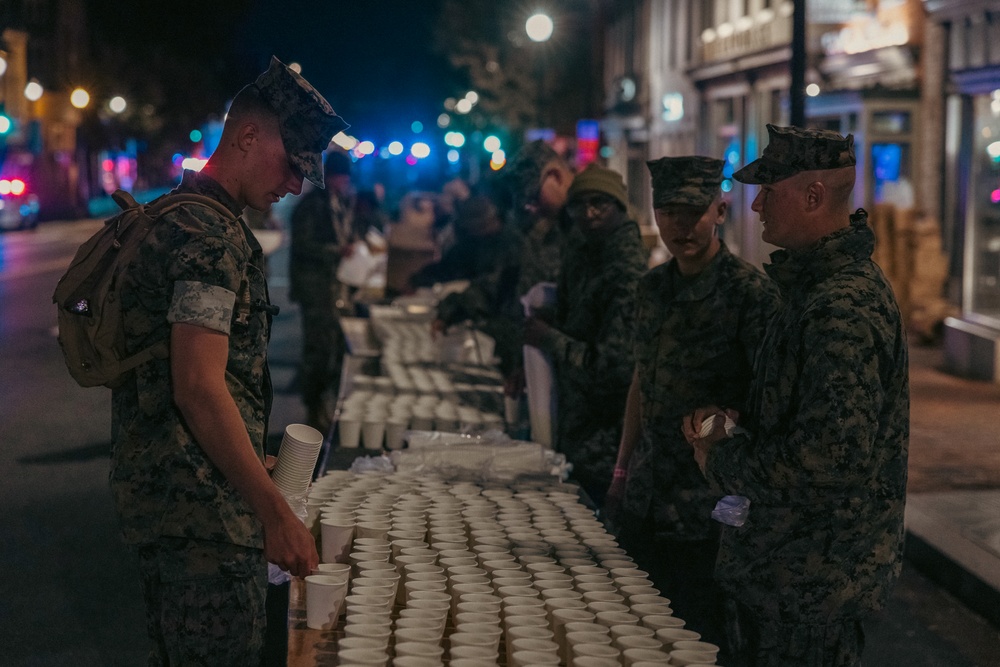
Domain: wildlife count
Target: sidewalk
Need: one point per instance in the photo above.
(953, 503)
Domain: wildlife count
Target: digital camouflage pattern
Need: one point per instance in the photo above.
(205, 602)
(198, 267)
(321, 227)
(695, 341)
(791, 150)
(591, 350)
(825, 466)
(307, 120)
(690, 180)
(524, 173)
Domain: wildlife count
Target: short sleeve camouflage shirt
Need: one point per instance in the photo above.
(200, 268)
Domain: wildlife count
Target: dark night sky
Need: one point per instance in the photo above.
(372, 59)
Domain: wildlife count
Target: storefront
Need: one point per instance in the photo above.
(972, 183)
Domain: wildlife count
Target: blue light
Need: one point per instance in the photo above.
(453, 156)
(727, 185)
(195, 136)
(417, 127)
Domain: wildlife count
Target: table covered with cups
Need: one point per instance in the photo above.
(421, 570)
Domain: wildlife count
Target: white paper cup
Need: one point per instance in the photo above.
(603, 651)
(710, 650)
(533, 658)
(370, 630)
(468, 652)
(324, 599)
(363, 656)
(588, 661)
(669, 636)
(349, 431)
(335, 540)
(683, 658)
(395, 431)
(634, 641)
(416, 661)
(631, 656)
(657, 621)
(339, 570)
(419, 649)
(372, 433)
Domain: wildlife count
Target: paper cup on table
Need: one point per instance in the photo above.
(370, 657)
(372, 433)
(603, 651)
(670, 636)
(709, 650)
(395, 431)
(324, 599)
(533, 658)
(335, 540)
(588, 661)
(467, 652)
(657, 621)
(419, 650)
(349, 431)
(686, 658)
(631, 656)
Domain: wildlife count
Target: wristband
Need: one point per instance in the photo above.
(619, 473)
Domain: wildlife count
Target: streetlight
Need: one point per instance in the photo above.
(33, 91)
(79, 98)
(539, 27)
(117, 104)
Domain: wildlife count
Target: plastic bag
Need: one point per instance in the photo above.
(732, 510)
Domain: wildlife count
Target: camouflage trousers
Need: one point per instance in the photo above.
(204, 602)
(756, 641)
(323, 348)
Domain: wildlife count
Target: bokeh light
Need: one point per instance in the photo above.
(117, 104)
(539, 27)
(79, 98)
(396, 148)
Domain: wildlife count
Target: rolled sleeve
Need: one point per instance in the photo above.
(203, 305)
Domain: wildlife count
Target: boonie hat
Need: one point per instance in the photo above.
(689, 180)
(596, 178)
(306, 119)
(525, 171)
(791, 150)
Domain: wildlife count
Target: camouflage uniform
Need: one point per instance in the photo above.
(199, 268)
(825, 464)
(695, 339)
(321, 227)
(591, 349)
(201, 561)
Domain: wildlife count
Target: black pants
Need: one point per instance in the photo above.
(275, 650)
(683, 570)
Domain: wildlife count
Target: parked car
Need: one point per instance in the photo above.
(18, 205)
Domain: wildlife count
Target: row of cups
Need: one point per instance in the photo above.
(441, 542)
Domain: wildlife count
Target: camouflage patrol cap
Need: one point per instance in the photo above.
(525, 171)
(691, 180)
(791, 150)
(307, 121)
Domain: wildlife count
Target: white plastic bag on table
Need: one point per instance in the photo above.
(539, 375)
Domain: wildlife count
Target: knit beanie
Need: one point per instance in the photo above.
(596, 178)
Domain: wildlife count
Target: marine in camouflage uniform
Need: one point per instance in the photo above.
(824, 464)
(590, 338)
(200, 539)
(699, 320)
(322, 229)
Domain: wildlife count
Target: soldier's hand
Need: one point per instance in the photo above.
(289, 545)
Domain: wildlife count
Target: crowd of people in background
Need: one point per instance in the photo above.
(682, 383)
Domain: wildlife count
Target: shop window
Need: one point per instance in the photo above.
(984, 202)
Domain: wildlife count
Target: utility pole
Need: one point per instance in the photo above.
(796, 93)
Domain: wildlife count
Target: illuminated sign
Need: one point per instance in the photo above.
(673, 107)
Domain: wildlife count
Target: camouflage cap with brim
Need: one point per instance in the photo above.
(306, 119)
(691, 180)
(791, 150)
(524, 174)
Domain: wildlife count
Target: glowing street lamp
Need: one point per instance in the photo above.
(539, 27)
(79, 98)
(117, 104)
(33, 91)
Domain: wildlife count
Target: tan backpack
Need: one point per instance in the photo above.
(91, 327)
